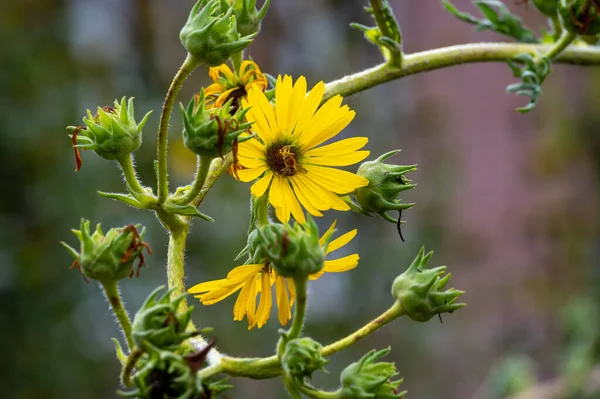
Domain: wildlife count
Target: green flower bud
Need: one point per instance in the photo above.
(385, 182)
(212, 132)
(109, 257)
(292, 251)
(368, 378)
(157, 322)
(248, 17)
(164, 375)
(420, 291)
(547, 7)
(301, 358)
(580, 16)
(210, 35)
(112, 132)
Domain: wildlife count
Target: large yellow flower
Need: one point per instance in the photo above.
(227, 85)
(258, 279)
(287, 151)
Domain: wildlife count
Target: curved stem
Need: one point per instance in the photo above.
(186, 69)
(565, 39)
(132, 359)
(201, 173)
(391, 314)
(453, 55)
(114, 299)
(133, 184)
(217, 168)
(316, 394)
(301, 285)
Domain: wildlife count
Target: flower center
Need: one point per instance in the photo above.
(236, 96)
(282, 159)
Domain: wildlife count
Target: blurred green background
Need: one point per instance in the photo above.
(508, 202)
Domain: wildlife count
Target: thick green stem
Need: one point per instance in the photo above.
(186, 69)
(217, 168)
(201, 173)
(301, 285)
(454, 55)
(176, 267)
(561, 44)
(114, 299)
(391, 314)
(134, 356)
(133, 184)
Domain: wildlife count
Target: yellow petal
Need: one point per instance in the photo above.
(341, 147)
(338, 160)
(295, 101)
(342, 264)
(299, 190)
(251, 148)
(292, 289)
(239, 309)
(251, 304)
(266, 301)
(283, 92)
(258, 162)
(327, 233)
(218, 295)
(308, 107)
(247, 175)
(326, 123)
(244, 271)
(258, 189)
(260, 125)
(341, 241)
(283, 302)
(318, 192)
(338, 181)
(207, 286)
(263, 108)
(284, 200)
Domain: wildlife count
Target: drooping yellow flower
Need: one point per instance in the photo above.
(288, 154)
(227, 85)
(257, 280)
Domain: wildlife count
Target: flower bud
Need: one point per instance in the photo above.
(109, 257)
(212, 132)
(112, 132)
(158, 323)
(385, 182)
(420, 291)
(292, 251)
(210, 35)
(368, 378)
(547, 7)
(301, 358)
(248, 16)
(580, 16)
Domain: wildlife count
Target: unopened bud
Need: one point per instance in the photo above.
(580, 17)
(301, 358)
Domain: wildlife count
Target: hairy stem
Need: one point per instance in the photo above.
(453, 55)
(134, 356)
(217, 168)
(565, 39)
(186, 69)
(391, 314)
(201, 173)
(114, 299)
(133, 184)
(175, 267)
(316, 394)
(301, 285)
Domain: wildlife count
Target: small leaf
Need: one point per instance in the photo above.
(187, 210)
(126, 198)
(532, 74)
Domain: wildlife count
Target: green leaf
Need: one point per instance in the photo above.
(498, 18)
(187, 210)
(532, 74)
(126, 198)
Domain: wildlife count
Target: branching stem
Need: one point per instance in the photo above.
(201, 173)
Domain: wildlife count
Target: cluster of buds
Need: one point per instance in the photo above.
(158, 324)
(212, 132)
(112, 133)
(301, 358)
(580, 17)
(385, 183)
(108, 258)
(368, 378)
(211, 35)
(292, 251)
(420, 291)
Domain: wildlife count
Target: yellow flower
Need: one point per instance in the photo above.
(258, 279)
(228, 85)
(287, 151)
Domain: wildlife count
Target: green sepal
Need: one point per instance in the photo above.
(119, 352)
(498, 18)
(547, 7)
(386, 35)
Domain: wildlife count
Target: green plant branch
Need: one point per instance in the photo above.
(133, 184)
(217, 168)
(561, 44)
(198, 184)
(450, 56)
(114, 299)
(301, 285)
(175, 268)
(316, 394)
(186, 69)
(134, 356)
(389, 315)
(379, 13)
